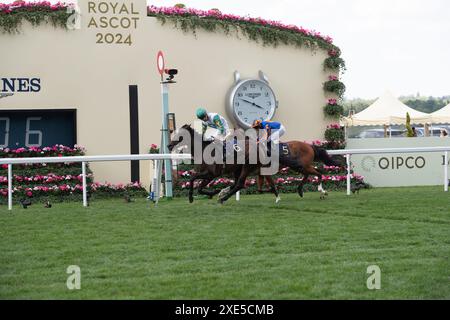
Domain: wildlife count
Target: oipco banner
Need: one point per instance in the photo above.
(403, 169)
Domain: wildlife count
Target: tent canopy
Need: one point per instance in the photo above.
(386, 110)
(442, 115)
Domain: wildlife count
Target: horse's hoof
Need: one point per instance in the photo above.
(210, 197)
(191, 199)
(220, 201)
(300, 193)
(278, 200)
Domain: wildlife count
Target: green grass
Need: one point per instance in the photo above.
(299, 249)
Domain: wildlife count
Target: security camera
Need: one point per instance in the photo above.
(171, 72)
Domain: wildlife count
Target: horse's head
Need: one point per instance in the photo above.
(179, 139)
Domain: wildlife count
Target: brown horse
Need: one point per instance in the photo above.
(300, 157)
(209, 172)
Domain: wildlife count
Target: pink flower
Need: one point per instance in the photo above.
(334, 126)
(332, 53)
(231, 17)
(332, 102)
(333, 78)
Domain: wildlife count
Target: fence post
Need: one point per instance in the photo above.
(83, 174)
(9, 186)
(446, 172)
(349, 172)
(238, 196)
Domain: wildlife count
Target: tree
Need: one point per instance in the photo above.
(408, 126)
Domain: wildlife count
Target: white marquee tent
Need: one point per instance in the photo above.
(387, 110)
(441, 116)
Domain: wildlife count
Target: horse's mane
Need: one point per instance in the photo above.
(191, 130)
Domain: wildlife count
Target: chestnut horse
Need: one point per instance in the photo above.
(299, 156)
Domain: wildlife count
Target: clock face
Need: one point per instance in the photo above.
(253, 100)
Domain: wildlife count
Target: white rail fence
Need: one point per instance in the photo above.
(349, 153)
(84, 160)
(157, 157)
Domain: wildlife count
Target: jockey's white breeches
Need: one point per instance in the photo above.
(277, 134)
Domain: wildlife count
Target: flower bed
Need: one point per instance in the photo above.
(56, 182)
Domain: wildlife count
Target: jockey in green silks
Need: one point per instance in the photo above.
(215, 121)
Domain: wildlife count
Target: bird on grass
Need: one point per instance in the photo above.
(127, 198)
(358, 186)
(88, 198)
(25, 203)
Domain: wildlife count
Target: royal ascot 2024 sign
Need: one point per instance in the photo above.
(114, 20)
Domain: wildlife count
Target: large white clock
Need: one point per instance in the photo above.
(250, 100)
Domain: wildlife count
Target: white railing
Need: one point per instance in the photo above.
(84, 160)
(349, 153)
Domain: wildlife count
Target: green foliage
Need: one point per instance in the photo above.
(335, 134)
(252, 249)
(410, 133)
(333, 111)
(268, 35)
(10, 22)
(423, 104)
(334, 64)
(426, 104)
(335, 86)
(356, 104)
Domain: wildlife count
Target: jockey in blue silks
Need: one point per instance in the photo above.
(274, 130)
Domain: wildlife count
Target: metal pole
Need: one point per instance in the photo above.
(83, 174)
(349, 171)
(446, 172)
(9, 186)
(165, 139)
(156, 183)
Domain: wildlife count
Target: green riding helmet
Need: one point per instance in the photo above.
(201, 113)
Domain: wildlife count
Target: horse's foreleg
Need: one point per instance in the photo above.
(191, 188)
(323, 192)
(239, 184)
(302, 184)
(208, 193)
(260, 183)
(200, 176)
(273, 188)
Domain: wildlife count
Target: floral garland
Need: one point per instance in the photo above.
(210, 20)
(11, 15)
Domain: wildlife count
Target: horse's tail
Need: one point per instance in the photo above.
(320, 154)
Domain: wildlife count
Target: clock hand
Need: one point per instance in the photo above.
(252, 103)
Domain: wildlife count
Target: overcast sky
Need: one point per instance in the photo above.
(401, 45)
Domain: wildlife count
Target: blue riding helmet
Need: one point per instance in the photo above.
(201, 113)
